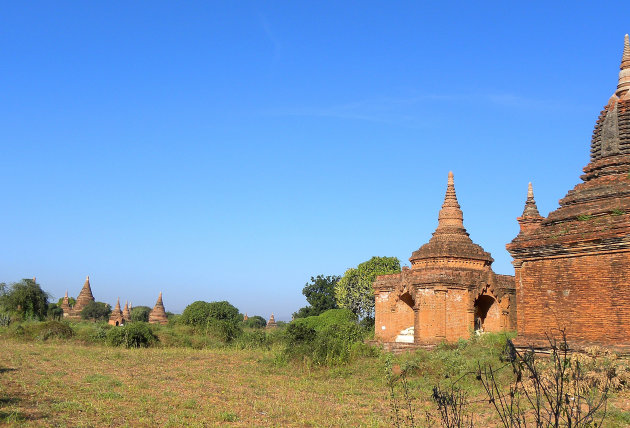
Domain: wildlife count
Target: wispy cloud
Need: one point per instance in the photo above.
(271, 36)
(411, 110)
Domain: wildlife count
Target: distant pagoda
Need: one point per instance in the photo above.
(158, 313)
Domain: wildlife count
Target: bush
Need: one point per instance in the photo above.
(224, 330)
(55, 329)
(327, 339)
(255, 322)
(132, 335)
(96, 311)
(45, 330)
(200, 313)
(90, 332)
(329, 318)
(253, 339)
(140, 313)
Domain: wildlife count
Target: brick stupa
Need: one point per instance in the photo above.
(449, 290)
(84, 298)
(65, 305)
(573, 267)
(116, 317)
(126, 313)
(158, 313)
(272, 322)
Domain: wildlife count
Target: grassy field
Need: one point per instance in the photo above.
(56, 383)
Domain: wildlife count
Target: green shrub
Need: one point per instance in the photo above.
(255, 322)
(5, 319)
(299, 332)
(200, 313)
(329, 318)
(224, 330)
(132, 335)
(334, 344)
(55, 329)
(253, 339)
(35, 330)
(332, 337)
(140, 313)
(91, 332)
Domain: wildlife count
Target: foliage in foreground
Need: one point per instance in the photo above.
(96, 311)
(320, 294)
(354, 290)
(132, 335)
(25, 299)
(333, 337)
(564, 389)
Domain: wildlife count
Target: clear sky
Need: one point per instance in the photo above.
(231, 150)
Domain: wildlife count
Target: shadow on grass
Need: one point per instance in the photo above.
(13, 415)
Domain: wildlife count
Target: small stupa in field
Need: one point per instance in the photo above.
(84, 298)
(245, 318)
(272, 322)
(158, 313)
(65, 305)
(126, 313)
(116, 317)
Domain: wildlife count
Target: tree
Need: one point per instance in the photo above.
(140, 313)
(55, 312)
(200, 313)
(255, 322)
(223, 310)
(96, 311)
(25, 298)
(320, 294)
(71, 301)
(354, 290)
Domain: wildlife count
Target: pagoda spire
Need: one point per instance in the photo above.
(450, 218)
(117, 308)
(530, 210)
(531, 218)
(623, 87)
(158, 313)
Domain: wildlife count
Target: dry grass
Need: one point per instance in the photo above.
(58, 384)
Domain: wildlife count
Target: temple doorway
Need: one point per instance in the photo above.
(406, 314)
(483, 305)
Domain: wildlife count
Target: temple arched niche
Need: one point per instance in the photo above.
(403, 306)
(487, 312)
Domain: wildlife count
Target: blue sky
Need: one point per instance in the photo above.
(231, 150)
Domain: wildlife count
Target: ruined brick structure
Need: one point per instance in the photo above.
(116, 317)
(272, 322)
(85, 297)
(449, 291)
(573, 267)
(158, 313)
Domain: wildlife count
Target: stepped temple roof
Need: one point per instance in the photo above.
(592, 210)
(450, 241)
(85, 296)
(158, 313)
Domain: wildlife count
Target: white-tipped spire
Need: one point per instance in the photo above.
(623, 87)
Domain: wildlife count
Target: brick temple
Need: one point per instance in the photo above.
(83, 299)
(449, 291)
(117, 316)
(573, 267)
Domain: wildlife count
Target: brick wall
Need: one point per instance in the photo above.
(588, 295)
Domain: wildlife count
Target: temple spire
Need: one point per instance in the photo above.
(158, 313)
(623, 87)
(117, 308)
(530, 210)
(451, 218)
